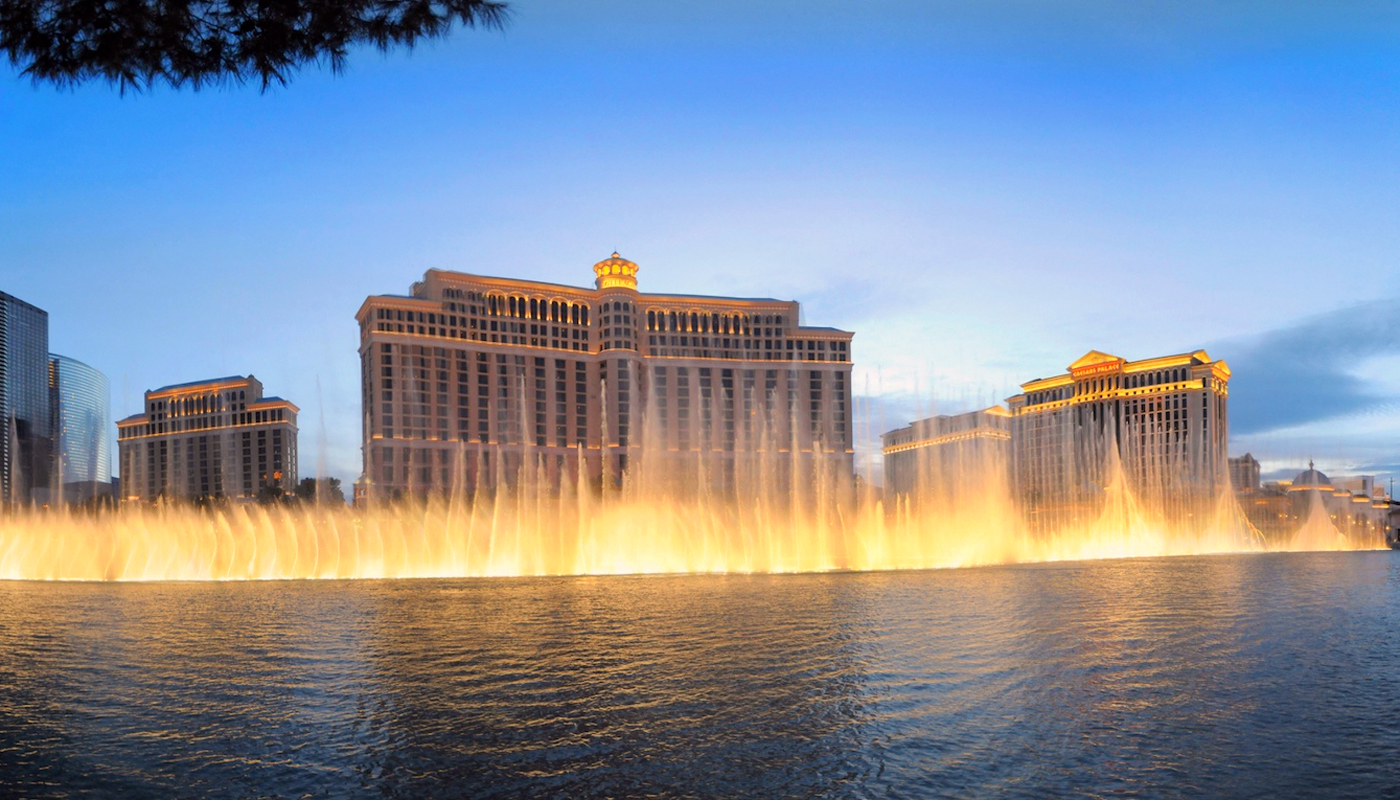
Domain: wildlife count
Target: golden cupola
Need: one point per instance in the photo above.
(616, 271)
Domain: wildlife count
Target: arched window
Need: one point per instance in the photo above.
(694, 321)
(534, 308)
(651, 320)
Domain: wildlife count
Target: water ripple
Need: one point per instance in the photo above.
(1243, 676)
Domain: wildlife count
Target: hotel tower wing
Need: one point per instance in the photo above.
(1159, 424)
(218, 438)
(468, 378)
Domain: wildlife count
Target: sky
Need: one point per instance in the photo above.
(981, 191)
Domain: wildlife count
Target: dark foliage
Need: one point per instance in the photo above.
(271, 494)
(137, 44)
(320, 490)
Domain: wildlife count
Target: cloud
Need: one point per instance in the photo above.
(1309, 372)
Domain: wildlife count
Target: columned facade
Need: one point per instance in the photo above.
(1159, 425)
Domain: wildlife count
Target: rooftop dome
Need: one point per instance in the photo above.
(1311, 479)
(616, 271)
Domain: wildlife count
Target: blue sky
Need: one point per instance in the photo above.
(982, 191)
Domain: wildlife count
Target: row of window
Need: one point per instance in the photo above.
(260, 417)
(415, 406)
(234, 399)
(199, 465)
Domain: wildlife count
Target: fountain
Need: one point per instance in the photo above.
(772, 512)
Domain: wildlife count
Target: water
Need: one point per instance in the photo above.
(1263, 675)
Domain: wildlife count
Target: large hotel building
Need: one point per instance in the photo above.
(469, 377)
(1162, 419)
(208, 439)
(1159, 425)
(947, 457)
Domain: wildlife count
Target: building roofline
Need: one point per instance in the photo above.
(455, 275)
(226, 380)
(1095, 357)
(720, 297)
(25, 303)
(270, 402)
(53, 355)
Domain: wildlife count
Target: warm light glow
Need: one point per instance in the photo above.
(639, 529)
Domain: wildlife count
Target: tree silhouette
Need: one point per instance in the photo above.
(320, 490)
(137, 44)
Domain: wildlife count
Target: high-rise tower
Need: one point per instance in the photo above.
(25, 419)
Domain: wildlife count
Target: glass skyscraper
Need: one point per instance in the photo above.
(82, 410)
(26, 421)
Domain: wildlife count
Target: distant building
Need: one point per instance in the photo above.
(945, 456)
(209, 439)
(469, 377)
(81, 404)
(1355, 506)
(26, 423)
(1160, 424)
(1392, 536)
(1244, 473)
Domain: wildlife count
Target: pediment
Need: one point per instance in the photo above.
(1094, 357)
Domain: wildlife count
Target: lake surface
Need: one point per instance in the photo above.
(1271, 675)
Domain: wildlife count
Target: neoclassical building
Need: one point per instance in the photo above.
(945, 457)
(1161, 420)
(468, 378)
(217, 438)
(1356, 507)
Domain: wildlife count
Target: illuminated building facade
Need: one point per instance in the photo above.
(469, 377)
(944, 457)
(1162, 420)
(1354, 507)
(81, 403)
(26, 421)
(208, 439)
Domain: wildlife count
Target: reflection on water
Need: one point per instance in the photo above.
(1263, 676)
